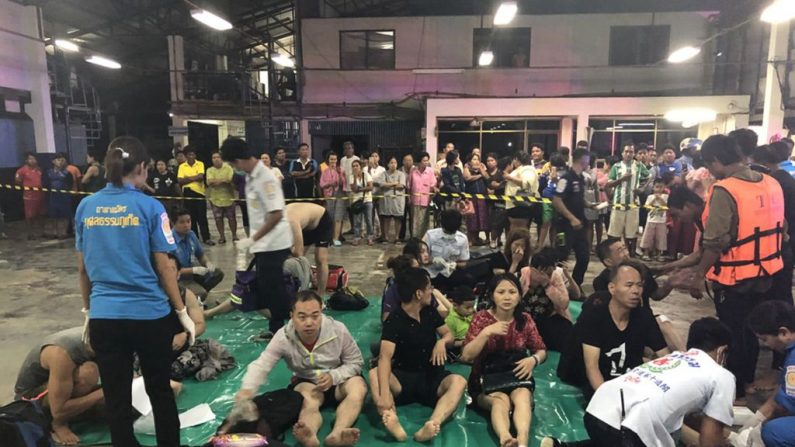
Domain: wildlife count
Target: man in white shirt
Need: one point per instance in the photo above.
(271, 237)
(345, 164)
(449, 251)
(645, 406)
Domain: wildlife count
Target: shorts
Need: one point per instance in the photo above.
(34, 208)
(546, 214)
(322, 235)
(329, 399)
(524, 212)
(219, 212)
(420, 387)
(624, 223)
(655, 236)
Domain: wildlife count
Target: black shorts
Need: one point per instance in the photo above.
(322, 235)
(420, 387)
(329, 399)
(524, 212)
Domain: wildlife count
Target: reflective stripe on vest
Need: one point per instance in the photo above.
(757, 250)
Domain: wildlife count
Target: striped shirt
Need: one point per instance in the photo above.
(624, 193)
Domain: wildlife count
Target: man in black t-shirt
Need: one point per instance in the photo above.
(303, 171)
(610, 339)
(612, 252)
(411, 360)
(569, 202)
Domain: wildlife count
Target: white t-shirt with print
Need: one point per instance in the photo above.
(368, 196)
(658, 395)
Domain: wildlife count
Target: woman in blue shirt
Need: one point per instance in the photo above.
(126, 280)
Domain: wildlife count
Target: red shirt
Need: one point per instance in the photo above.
(30, 177)
(514, 340)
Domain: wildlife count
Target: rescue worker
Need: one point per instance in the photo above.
(743, 229)
(123, 238)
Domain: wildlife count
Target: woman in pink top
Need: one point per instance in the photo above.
(423, 183)
(333, 185)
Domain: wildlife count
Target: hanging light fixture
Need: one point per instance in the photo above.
(213, 21)
(779, 11)
(67, 45)
(505, 13)
(103, 62)
(683, 54)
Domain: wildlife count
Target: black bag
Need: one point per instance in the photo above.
(278, 411)
(357, 207)
(498, 372)
(347, 298)
(24, 424)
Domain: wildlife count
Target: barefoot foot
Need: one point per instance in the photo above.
(63, 436)
(343, 438)
(304, 435)
(392, 424)
(427, 432)
(509, 442)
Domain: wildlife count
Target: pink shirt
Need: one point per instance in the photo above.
(331, 181)
(421, 184)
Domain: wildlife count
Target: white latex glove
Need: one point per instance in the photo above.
(210, 267)
(199, 270)
(86, 338)
(188, 324)
(451, 265)
(439, 261)
(755, 437)
(245, 244)
(756, 420)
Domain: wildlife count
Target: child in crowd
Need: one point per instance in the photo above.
(460, 316)
(655, 240)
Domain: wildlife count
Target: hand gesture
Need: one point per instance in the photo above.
(518, 255)
(439, 354)
(498, 328)
(575, 223)
(524, 368)
(324, 382)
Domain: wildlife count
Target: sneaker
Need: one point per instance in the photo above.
(337, 243)
(209, 242)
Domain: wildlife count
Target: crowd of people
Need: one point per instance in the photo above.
(714, 221)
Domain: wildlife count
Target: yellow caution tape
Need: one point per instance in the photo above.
(454, 195)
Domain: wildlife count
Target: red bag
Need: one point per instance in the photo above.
(337, 277)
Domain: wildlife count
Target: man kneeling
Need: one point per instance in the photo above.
(63, 371)
(326, 366)
(411, 360)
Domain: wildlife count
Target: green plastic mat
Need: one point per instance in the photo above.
(558, 407)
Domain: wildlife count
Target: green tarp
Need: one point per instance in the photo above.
(558, 407)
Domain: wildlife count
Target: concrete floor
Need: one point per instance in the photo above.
(40, 292)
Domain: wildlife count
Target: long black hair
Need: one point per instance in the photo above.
(124, 156)
(518, 312)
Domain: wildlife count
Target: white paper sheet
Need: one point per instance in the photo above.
(197, 415)
(140, 400)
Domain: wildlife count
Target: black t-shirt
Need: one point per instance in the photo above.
(497, 261)
(163, 184)
(787, 183)
(414, 340)
(649, 284)
(304, 187)
(571, 190)
(620, 351)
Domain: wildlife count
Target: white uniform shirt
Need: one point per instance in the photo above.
(449, 247)
(264, 195)
(658, 395)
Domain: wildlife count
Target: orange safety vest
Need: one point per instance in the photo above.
(757, 250)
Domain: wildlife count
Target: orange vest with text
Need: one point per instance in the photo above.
(757, 250)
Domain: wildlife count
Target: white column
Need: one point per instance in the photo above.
(566, 131)
(582, 127)
(773, 113)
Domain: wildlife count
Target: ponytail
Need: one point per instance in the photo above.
(124, 156)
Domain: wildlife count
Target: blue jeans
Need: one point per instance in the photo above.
(779, 432)
(367, 215)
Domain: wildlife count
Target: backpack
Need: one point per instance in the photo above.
(347, 298)
(244, 292)
(337, 277)
(24, 424)
(278, 411)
